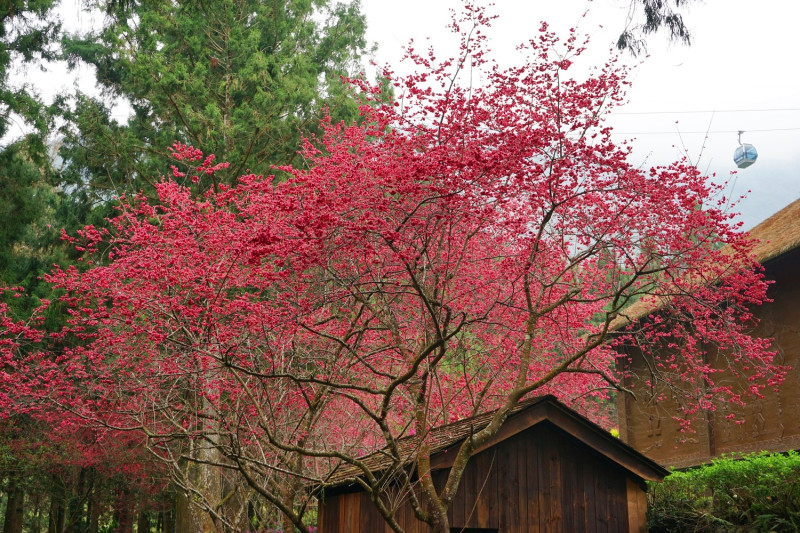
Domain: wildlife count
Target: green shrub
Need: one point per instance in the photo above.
(758, 492)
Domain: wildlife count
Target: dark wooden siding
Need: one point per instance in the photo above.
(540, 480)
(770, 423)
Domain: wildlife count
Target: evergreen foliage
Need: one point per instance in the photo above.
(650, 16)
(26, 35)
(244, 80)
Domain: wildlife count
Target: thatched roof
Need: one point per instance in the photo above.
(444, 440)
(777, 235)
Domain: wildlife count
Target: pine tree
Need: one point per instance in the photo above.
(243, 80)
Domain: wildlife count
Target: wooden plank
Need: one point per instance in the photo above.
(544, 485)
(350, 509)
(492, 492)
(579, 502)
(332, 513)
(405, 516)
(617, 497)
(637, 507)
(600, 501)
(520, 466)
(371, 517)
(555, 522)
(508, 491)
(589, 476)
(325, 517)
(529, 481)
(571, 498)
(471, 487)
(459, 505)
(485, 492)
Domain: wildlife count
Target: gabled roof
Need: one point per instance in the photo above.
(776, 236)
(444, 440)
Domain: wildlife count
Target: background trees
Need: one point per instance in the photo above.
(244, 80)
(444, 257)
(447, 257)
(28, 32)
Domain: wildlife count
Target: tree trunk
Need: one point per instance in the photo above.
(15, 509)
(75, 517)
(143, 523)
(184, 522)
(234, 505)
(123, 513)
(166, 520)
(93, 512)
(57, 515)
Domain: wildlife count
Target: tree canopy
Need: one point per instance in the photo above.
(343, 273)
(646, 17)
(27, 33)
(433, 260)
(244, 80)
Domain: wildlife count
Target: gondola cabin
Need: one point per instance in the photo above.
(745, 155)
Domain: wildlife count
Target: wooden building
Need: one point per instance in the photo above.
(548, 469)
(771, 423)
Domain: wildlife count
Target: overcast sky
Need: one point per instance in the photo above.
(742, 63)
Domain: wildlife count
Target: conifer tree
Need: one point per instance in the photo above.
(244, 80)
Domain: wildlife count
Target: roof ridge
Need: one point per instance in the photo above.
(439, 438)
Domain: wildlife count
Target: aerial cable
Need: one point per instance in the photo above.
(700, 111)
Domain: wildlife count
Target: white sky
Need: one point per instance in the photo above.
(744, 57)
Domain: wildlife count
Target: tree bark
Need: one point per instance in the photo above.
(15, 509)
(58, 517)
(75, 517)
(143, 522)
(123, 512)
(93, 509)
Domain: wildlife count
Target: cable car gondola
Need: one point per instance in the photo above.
(745, 155)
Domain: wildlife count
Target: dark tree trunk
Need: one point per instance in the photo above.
(143, 520)
(166, 521)
(123, 512)
(15, 509)
(75, 523)
(57, 515)
(143, 523)
(93, 511)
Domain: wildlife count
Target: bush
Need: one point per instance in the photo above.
(757, 492)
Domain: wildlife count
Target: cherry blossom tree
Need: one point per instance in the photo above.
(86, 471)
(456, 251)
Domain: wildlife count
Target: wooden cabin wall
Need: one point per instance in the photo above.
(773, 422)
(647, 422)
(540, 480)
(770, 423)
